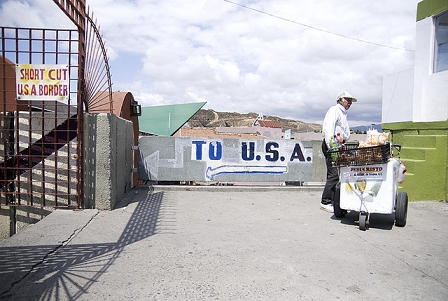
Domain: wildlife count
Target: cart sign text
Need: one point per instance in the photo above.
(42, 82)
(367, 171)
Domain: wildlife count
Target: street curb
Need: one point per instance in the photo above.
(233, 188)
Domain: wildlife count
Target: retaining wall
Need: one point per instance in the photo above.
(108, 160)
(230, 160)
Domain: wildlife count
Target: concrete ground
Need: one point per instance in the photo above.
(227, 243)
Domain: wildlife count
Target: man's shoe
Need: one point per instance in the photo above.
(327, 207)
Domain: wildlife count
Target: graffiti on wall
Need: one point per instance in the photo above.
(172, 158)
(253, 157)
(153, 162)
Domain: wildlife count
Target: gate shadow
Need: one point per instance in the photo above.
(67, 272)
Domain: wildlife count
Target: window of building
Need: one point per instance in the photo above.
(441, 43)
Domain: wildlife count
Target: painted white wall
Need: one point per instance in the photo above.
(229, 159)
(427, 90)
(398, 93)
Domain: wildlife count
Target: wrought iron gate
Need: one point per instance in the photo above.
(41, 141)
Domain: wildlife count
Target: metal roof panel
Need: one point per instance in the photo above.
(166, 120)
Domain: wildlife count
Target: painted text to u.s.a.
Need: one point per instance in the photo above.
(271, 154)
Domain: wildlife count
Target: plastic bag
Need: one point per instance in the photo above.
(401, 172)
(374, 139)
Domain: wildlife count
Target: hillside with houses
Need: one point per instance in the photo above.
(208, 118)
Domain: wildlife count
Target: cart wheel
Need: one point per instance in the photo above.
(338, 212)
(362, 221)
(401, 209)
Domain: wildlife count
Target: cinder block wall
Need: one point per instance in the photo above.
(425, 154)
(108, 158)
(319, 165)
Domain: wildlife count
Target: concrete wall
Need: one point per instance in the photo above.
(398, 92)
(14, 219)
(230, 160)
(425, 154)
(415, 112)
(108, 158)
(430, 93)
(417, 94)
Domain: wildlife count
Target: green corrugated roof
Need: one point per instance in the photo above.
(429, 8)
(166, 120)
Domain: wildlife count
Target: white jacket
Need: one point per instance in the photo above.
(335, 121)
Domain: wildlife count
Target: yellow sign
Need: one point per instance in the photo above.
(42, 82)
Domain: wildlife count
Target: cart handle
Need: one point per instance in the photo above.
(397, 147)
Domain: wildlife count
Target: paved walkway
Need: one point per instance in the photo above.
(227, 244)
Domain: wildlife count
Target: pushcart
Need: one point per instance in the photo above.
(368, 183)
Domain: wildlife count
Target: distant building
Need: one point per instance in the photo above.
(268, 128)
(240, 132)
(269, 124)
(262, 129)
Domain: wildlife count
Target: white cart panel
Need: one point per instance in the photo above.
(370, 188)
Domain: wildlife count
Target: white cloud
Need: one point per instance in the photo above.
(291, 63)
(35, 14)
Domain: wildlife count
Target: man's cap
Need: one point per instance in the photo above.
(345, 94)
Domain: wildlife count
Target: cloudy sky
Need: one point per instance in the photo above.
(286, 58)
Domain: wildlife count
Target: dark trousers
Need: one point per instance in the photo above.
(332, 177)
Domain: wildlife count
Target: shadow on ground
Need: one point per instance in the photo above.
(58, 269)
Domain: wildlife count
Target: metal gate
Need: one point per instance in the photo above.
(41, 141)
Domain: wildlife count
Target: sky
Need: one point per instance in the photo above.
(285, 58)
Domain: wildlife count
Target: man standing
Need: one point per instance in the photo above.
(335, 122)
